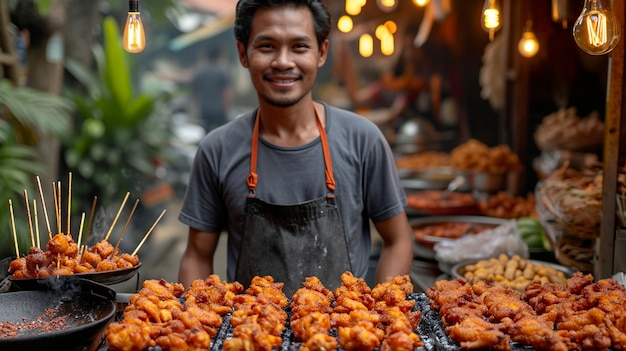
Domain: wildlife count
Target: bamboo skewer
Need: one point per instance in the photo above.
(69, 202)
(117, 216)
(80, 230)
(119, 240)
(30, 221)
(56, 205)
(36, 223)
(43, 206)
(17, 249)
(93, 209)
(59, 207)
(148, 233)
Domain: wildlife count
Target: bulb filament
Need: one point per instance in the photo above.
(596, 28)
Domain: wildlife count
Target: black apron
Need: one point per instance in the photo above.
(293, 242)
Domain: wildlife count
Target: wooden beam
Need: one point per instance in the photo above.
(615, 107)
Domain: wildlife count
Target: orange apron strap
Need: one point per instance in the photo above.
(253, 177)
(330, 179)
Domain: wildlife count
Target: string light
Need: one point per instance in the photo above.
(366, 45)
(134, 39)
(387, 5)
(421, 3)
(345, 24)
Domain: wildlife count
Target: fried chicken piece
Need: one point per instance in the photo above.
(476, 333)
(103, 248)
(320, 342)
(259, 338)
(448, 291)
(352, 283)
(304, 328)
(58, 244)
(267, 288)
(360, 336)
(93, 258)
(127, 337)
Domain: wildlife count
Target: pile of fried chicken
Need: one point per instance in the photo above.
(63, 257)
(582, 315)
(353, 316)
(156, 316)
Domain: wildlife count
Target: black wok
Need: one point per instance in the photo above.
(84, 308)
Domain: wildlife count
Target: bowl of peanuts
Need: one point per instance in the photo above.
(512, 271)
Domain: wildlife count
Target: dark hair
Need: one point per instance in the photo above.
(247, 8)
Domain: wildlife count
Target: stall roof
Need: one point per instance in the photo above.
(217, 7)
(224, 17)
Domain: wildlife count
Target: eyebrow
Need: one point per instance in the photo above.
(269, 37)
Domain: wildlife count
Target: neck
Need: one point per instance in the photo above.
(290, 127)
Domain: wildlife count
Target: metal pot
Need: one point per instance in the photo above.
(84, 308)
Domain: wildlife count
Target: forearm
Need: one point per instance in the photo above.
(192, 269)
(394, 260)
(397, 251)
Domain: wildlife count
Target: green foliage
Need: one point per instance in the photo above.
(25, 113)
(119, 134)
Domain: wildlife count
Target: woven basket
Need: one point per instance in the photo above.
(576, 253)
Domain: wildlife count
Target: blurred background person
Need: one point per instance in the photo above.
(210, 91)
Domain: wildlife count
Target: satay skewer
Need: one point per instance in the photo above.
(17, 249)
(43, 206)
(59, 212)
(56, 205)
(30, 220)
(89, 222)
(130, 216)
(80, 229)
(117, 216)
(69, 202)
(36, 223)
(148, 233)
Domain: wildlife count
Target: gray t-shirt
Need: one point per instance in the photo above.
(367, 184)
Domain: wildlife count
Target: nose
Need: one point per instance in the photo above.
(283, 59)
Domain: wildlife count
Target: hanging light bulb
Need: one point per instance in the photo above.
(345, 24)
(353, 7)
(134, 39)
(421, 3)
(387, 5)
(490, 19)
(387, 45)
(528, 45)
(597, 30)
(366, 45)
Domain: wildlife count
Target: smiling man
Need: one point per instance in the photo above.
(295, 182)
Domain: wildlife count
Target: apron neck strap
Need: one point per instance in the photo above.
(253, 177)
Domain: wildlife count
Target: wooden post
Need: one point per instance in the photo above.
(605, 251)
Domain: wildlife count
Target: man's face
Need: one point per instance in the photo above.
(282, 54)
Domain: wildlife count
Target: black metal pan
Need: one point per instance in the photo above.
(67, 314)
(104, 277)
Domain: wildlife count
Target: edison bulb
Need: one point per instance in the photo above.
(597, 30)
(134, 39)
(490, 19)
(528, 46)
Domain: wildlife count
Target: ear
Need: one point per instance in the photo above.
(243, 59)
(323, 53)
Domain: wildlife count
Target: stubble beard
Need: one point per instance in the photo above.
(282, 102)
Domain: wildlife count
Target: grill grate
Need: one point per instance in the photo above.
(430, 330)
